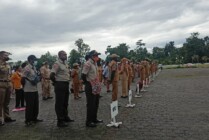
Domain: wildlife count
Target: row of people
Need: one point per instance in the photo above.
(92, 75)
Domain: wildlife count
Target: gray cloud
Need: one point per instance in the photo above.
(47, 23)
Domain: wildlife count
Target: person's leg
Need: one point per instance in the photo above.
(59, 101)
(29, 99)
(2, 98)
(17, 98)
(36, 106)
(22, 98)
(7, 117)
(89, 105)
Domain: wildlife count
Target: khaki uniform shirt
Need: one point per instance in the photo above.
(75, 76)
(30, 73)
(90, 69)
(45, 72)
(5, 72)
(113, 67)
(61, 71)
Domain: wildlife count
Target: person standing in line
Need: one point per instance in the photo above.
(124, 77)
(130, 74)
(31, 79)
(92, 88)
(60, 76)
(76, 81)
(5, 88)
(105, 75)
(114, 76)
(45, 81)
(16, 81)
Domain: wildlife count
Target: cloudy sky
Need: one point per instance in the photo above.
(37, 26)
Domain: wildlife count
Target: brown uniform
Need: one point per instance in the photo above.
(113, 67)
(124, 78)
(100, 73)
(130, 76)
(5, 90)
(76, 82)
(45, 81)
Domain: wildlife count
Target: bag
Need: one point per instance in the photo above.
(96, 86)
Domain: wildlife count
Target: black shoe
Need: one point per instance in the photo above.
(68, 120)
(7, 120)
(98, 121)
(100, 96)
(62, 124)
(49, 97)
(37, 120)
(44, 98)
(27, 124)
(1, 123)
(91, 124)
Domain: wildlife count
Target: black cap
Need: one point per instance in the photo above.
(32, 57)
(93, 53)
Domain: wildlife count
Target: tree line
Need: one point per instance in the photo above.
(193, 50)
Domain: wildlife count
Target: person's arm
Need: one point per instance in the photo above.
(52, 77)
(112, 76)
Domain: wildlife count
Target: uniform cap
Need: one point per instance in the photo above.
(75, 64)
(114, 55)
(32, 57)
(93, 53)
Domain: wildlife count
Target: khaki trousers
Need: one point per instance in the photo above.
(4, 103)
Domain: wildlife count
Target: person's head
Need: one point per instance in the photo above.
(45, 64)
(99, 62)
(23, 65)
(18, 68)
(4, 55)
(32, 59)
(75, 65)
(94, 55)
(62, 55)
(114, 57)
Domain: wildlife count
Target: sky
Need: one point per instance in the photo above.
(37, 26)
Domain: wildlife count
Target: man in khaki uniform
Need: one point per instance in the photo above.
(92, 88)
(124, 77)
(45, 81)
(130, 75)
(76, 80)
(60, 77)
(5, 88)
(114, 76)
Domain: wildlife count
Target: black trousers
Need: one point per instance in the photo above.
(61, 90)
(32, 106)
(92, 104)
(19, 97)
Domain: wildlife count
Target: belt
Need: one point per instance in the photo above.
(5, 80)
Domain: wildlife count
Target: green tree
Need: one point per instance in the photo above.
(74, 57)
(121, 50)
(47, 57)
(82, 47)
(193, 46)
